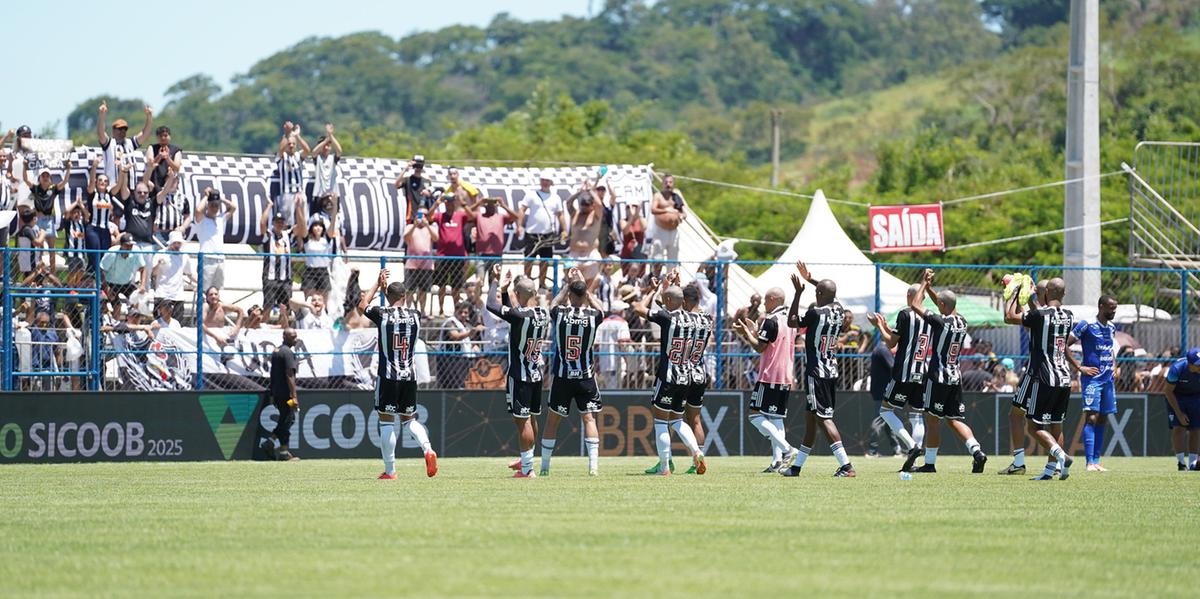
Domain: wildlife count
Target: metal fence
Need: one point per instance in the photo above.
(84, 320)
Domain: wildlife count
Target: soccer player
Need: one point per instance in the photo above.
(1021, 399)
(907, 387)
(283, 397)
(822, 325)
(575, 313)
(943, 386)
(1099, 392)
(775, 340)
(1050, 362)
(674, 373)
(1183, 408)
(702, 329)
(396, 390)
(528, 325)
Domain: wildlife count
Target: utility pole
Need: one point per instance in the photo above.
(1081, 204)
(776, 117)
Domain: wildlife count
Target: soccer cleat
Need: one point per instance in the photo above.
(700, 466)
(430, 463)
(1013, 469)
(927, 469)
(386, 476)
(521, 474)
(1014, 283)
(980, 460)
(912, 457)
(544, 473)
(1043, 476)
(515, 464)
(773, 468)
(1195, 467)
(1066, 469)
(1181, 466)
(846, 471)
(654, 469)
(691, 469)
(594, 472)
(789, 458)
(793, 471)
(268, 448)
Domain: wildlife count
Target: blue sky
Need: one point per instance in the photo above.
(44, 58)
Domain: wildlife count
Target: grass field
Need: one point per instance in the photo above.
(327, 528)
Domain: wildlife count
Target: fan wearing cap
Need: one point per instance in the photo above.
(414, 187)
(541, 223)
(119, 147)
(278, 244)
(1183, 408)
(124, 272)
(44, 194)
(171, 269)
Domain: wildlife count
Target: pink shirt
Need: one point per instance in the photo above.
(451, 240)
(776, 366)
(420, 244)
(489, 233)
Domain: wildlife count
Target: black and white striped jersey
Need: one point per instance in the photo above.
(277, 261)
(912, 352)
(290, 169)
(675, 345)
(527, 338)
(574, 336)
(399, 328)
(949, 332)
(1049, 327)
(702, 329)
(822, 326)
(171, 211)
(102, 207)
(76, 234)
(117, 153)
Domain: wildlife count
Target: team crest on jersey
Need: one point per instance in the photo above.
(772, 409)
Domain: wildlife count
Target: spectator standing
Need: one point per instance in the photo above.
(289, 164)
(74, 229)
(414, 186)
(753, 311)
(541, 222)
(103, 208)
(612, 337)
(586, 224)
(172, 211)
(457, 343)
(326, 212)
(450, 272)
(138, 212)
(171, 270)
(210, 232)
(467, 194)
(491, 216)
(318, 246)
(162, 159)
(419, 238)
(325, 163)
(663, 235)
(44, 195)
(119, 148)
(47, 353)
(124, 271)
(28, 238)
(610, 233)
(277, 258)
(633, 232)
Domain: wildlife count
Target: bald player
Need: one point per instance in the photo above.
(1020, 401)
(822, 325)
(529, 325)
(943, 386)
(775, 340)
(911, 341)
(1050, 362)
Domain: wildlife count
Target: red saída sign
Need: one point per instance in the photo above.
(913, 228)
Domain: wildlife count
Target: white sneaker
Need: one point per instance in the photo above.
(789, 458)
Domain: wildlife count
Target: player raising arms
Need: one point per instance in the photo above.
(1023, 394)
(1099, 392)
(396, 390)
(907, 387)
(775, 340)
(529, 324)
(822, 323)
(674, 373)
(574, 373)
(943, 386)
(1049, 329)
(702, 329)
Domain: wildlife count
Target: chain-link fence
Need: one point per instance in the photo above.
(134, 318)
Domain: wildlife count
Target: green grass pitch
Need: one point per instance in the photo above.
(328, 528)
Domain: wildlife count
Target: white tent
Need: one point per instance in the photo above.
(831, 254)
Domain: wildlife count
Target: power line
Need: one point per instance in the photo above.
(1032, 235)
(766, 190)
(995, 194)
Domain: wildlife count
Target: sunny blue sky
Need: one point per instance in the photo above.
(66, 51)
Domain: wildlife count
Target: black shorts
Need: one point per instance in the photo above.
(821, 395)
(418, 279)
(1024, 393)
(276, 293)
(695, 395)
(901, 394)
(317, 279)
(583, 392)
(396, 397)
(669, 396)
(944, 401)
(1049, 404)
(770, 398)
(524, 398)
(540, 244)
(449, 273)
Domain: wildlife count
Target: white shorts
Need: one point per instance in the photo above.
(664, 245)
(588, 264)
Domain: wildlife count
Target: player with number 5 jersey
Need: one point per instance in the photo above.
(574, 315)
(396, 390)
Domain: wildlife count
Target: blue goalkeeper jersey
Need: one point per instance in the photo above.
(1096, 338)
(1187, 383)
